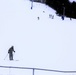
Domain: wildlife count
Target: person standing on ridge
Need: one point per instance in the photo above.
(10, 52)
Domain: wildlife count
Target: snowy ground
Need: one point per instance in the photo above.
(44, 43)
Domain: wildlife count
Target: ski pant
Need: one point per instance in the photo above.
(10, 56)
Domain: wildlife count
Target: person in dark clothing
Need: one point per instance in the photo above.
(62, 17)
(10, 52)
(38, 18)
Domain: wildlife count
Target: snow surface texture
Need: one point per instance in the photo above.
(72, 0)
(38, 40)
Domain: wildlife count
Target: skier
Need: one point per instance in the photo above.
(38, 18)
(62, 17)
(10, 51)
(32, 4)
(51, 16)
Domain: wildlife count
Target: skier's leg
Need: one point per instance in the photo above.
(11, 56)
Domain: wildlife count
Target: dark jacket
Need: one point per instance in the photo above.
(11, 50)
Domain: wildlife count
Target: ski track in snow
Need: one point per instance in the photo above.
(46, 43)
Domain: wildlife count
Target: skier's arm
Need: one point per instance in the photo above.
(13, 49)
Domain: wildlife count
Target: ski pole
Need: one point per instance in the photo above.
(6, 56)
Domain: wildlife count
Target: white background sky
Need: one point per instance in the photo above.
(45, 43)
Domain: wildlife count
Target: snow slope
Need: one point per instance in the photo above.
(72, 0)
(44, 43)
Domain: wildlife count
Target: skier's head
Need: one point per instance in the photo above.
(12, 47)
